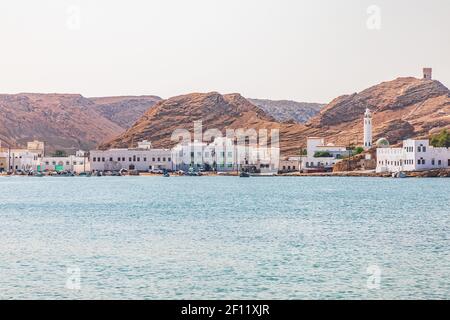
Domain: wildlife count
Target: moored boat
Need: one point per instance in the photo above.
(244, 174)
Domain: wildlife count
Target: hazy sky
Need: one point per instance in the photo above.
(306, 50)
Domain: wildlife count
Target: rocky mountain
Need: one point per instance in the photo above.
(403, 108)
(287, 110)
(67, 121)
(216, 111)
(124, 111)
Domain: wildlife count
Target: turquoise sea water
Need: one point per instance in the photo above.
(224, 238)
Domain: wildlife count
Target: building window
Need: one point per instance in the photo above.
(111, 159)
(129, 159)
(169, 159)
(138, 159)
(67, 163)
(118, 159)
(103, 159)
(159, 159)
(424, 149)
(439, 162)
(153, 159)
(145, 159)
(432, 162)
(164, 159)
(123, 159)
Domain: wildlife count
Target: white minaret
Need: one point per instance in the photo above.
(367, 129)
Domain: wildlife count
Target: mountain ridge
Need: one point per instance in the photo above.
(288, 110)
(66, 121)
(403, 108)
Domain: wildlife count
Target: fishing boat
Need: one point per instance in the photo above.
(84, 174)
(244, 174)
(399, 174)
(192, 173)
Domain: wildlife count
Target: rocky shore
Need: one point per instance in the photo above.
(438, 173)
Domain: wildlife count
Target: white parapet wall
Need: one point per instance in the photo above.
(414, 155)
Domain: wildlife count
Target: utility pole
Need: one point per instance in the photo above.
(349, 155)
(9, 158)
(300, 160)
(84, 161)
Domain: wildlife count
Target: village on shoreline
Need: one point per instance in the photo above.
(225, 156)
(222, 157)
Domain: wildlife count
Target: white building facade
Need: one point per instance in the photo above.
(142, 158)
(414, 155)
(224, 155)
(77, 163)
(320, 156)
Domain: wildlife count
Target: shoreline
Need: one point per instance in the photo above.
(437, 173)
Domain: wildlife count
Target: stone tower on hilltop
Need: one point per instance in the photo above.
(427, 73)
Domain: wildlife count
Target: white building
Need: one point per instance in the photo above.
(415, 155)
(77, 163)
(192, 154)
(224, 155)
(142, 158)
(367, 129)
(3, 159)
(320, 156)
(21, 159)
